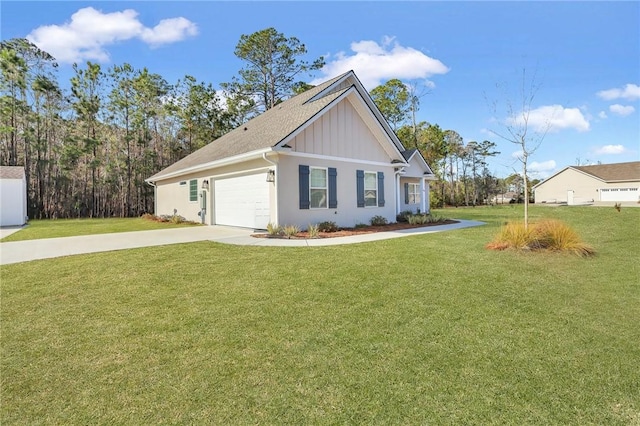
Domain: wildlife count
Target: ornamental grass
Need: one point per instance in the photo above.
(547, 235)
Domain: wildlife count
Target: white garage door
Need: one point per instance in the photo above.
(619, 194)
(242, 201)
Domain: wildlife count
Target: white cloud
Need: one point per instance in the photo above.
(611, 149)
(169, 31)
(90, 31)
(542, 170)
(375, 63)
(621, 109)
(602, 115)
(517, 154)
(629, 92)
(554, 118)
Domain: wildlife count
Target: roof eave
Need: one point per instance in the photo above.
(211, 165)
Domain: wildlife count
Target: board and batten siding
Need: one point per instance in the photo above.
(340, 133)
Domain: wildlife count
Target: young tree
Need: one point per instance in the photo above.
(517, 129)
(272, 64)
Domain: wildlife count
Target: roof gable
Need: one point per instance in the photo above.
(276, 125)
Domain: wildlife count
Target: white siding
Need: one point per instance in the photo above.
(170, 195)
(586, 188)
(13, 202)
(348, 214)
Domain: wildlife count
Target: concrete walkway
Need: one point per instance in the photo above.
(23, 251)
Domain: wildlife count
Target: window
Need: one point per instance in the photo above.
(370, 189)
(414, 194)
(318, 188)
(193, 190)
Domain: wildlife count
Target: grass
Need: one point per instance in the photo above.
(54, 228)
(428, 329)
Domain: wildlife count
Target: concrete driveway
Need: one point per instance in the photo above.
(23, 251)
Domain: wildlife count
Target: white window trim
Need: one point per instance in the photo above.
(414, 189)
(326, 187)
(375, 174)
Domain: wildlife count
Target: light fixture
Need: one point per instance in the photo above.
(205, 185)
(271, 175)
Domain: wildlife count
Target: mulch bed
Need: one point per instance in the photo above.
(345, 232)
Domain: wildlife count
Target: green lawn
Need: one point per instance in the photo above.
(428, 329)
(53, 228)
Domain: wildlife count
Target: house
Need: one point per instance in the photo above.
(598, 184)
(505, 198)
(324, 155)
(13, 196)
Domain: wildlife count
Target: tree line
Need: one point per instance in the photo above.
(87, 149)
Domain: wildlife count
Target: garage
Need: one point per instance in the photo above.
(619, 194)
(242, 201)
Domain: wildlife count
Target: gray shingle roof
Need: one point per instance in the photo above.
(11, 172)
(261, 132)
(613, 172)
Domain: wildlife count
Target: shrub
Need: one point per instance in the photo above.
(378, 221)
(177, 219)
(403, 216)
(551, 235)
(327, 227)
(312, 230)
(361, 225)
(557, 236)
(290, 230)
(273, 229)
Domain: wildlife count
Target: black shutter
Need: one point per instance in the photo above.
(360, 187)
(303, 181)
(380, 189)
(406, 193)
(333, 188)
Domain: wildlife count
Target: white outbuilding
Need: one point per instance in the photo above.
(13, 196)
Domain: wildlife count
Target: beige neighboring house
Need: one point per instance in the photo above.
(13, 196)
(598, 184)
(324, 155)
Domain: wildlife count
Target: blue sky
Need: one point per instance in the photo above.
(586, 57)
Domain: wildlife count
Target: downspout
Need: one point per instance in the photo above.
(398, 171)
(277, 179)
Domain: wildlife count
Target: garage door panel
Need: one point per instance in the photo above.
(619, 194)
(242, 201)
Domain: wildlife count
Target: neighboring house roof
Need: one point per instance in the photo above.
(271, 129)
(12, 172)
(619, 172)
(608, 173)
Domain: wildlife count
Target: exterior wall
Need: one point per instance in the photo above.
(412, 207)
(171, 196)
(347, 214)
(585, 188)
(340, 132)
(13, 202)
